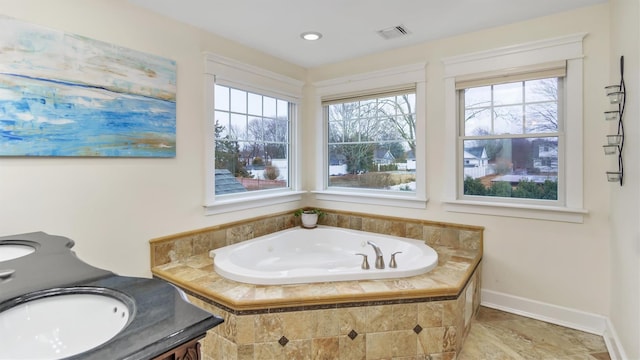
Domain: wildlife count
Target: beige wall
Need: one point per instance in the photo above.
(625, 201)
(558, 263)
(112, 207)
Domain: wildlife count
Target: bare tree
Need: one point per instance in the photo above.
(398, 112)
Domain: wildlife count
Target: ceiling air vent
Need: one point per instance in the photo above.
(394, 32)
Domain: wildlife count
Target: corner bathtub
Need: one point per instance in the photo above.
(317, 255)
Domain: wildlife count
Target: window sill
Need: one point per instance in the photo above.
(538, 212)
(221, 206)
(372, 199)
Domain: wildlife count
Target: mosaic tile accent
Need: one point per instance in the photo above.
(417, 329)
(283, 341)
(352, 334)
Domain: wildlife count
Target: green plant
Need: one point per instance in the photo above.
(309, 211)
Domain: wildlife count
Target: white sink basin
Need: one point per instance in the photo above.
(14, 251)
(61, 324)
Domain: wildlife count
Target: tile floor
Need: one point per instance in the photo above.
(497, 335)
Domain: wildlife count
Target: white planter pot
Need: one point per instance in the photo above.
(309, 220)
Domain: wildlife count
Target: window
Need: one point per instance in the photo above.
(514, 125)
(372, 142)
(509, 134)
(371, 152)
(250, 138)
(251, 141)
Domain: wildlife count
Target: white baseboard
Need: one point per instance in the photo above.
(574, 319)
(571, 318)
(616, 351)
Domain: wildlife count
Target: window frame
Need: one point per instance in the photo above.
(559, 134)
(370, 84)
(509, 60)
(231, 73)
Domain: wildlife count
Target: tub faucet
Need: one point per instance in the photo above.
(379, 259)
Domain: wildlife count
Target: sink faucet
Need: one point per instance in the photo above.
(379, 259)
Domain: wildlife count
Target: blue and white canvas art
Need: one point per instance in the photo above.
(67, 95)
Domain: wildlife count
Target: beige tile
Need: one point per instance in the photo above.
(219, 239)
(228, 328)
(414, 231)
(430, 340)
(245, 352)
(245, 333)
(398, 228)
(353, 318)
(353, 349)
(298, 325)
(327, 323)
(269, 350)
(298, 349)
(268, 328)
(379, 346)
(183, 249)
(404, 343)
(405, 316)
(343, 221)
(430, 314)
(355, 223)
(470, 239)
(325, 348)
(161, 253)
(228, 350)
(202, 243)
(369, 225)
(450, 339)
(378, 319)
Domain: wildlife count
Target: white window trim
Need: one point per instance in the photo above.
(397, 76)
(566, 48)
(231, 73)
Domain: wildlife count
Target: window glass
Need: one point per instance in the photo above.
(251, 141)
(510, 140)
(371, 143)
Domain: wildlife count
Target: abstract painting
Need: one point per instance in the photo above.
(67, 95)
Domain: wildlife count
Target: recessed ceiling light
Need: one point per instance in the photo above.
(311, 35)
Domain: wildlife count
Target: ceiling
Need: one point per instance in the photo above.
(349, 27)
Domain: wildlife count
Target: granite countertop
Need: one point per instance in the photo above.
(162, 316)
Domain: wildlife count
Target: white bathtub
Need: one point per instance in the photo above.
(317, 255)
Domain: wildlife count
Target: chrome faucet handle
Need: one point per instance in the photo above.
(365, 262)
(392, 262)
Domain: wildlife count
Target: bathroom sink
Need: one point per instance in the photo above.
(14, 251)
(58, 323)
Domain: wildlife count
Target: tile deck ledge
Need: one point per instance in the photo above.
(196, 276)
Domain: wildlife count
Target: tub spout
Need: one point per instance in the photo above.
(379, 258)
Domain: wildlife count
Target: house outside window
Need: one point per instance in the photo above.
(507, 131)
(514, 127)
(251, 136)
(371, 142)
(373, 127)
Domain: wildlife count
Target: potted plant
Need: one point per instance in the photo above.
(309, 217)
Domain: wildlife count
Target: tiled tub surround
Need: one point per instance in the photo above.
(420, 317)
